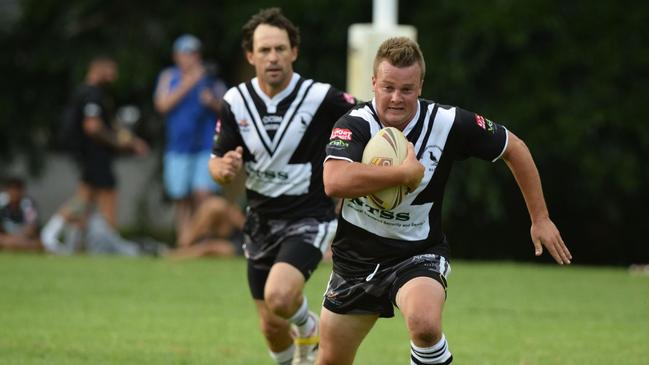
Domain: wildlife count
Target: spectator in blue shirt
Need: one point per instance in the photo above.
(189, 98)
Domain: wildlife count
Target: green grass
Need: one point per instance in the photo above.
(98, 310)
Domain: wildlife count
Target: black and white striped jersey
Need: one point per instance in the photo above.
(441, 134)
(284, 140)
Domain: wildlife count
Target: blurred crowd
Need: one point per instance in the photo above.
(188, 96)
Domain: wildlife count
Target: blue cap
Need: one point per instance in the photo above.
(187, 43)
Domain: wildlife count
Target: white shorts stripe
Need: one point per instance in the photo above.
(325, 235)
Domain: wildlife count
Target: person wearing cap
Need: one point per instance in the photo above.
(189, 98)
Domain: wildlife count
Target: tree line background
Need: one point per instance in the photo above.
(570, 78)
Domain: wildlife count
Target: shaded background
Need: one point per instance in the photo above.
(570, 78)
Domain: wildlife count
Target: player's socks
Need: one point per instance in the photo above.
(437, 354)
(285, 357)
(304, 322)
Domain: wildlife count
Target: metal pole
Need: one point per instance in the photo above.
(384, 13)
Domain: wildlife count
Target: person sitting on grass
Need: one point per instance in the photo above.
(18, 218)
(80, 227)
(212, 230)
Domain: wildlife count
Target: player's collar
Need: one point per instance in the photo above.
(271, 103)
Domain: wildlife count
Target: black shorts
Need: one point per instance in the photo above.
(299, 243)
(97, 175)
(376, 293)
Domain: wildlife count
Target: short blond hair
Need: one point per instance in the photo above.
(400, 52)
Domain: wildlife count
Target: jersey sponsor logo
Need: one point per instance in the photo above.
(349, 98)
(267, 175)
(379, 213)
(479, 120)
(244, 125)
(271, 122)
(341, 133)
(338, 144)
(217, 131)
(491, 127)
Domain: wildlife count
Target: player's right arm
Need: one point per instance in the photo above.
(345, 177)
(224, 169)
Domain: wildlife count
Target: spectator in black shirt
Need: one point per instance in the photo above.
(94, 141)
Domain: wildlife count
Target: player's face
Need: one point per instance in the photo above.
(272, 56)
(396, 91)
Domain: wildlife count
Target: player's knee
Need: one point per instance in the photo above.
(281, 302)
(326, 357)
(424, 329)
(324, 360)
(272, 328)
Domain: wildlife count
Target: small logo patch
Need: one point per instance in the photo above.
(491, 127)
(341, 133)
(349, 98)
(381, 161)
(338, 144)
(479, 120)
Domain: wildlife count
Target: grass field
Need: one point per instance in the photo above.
(98, 310)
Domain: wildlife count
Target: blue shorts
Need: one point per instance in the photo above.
(185, 173)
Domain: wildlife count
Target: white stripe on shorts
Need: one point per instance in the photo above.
(326, 232)
(444, 267)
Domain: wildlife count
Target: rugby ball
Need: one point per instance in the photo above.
(388, 147)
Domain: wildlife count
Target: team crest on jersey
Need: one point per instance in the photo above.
(341, 133)
(304, 117)
(431, 157)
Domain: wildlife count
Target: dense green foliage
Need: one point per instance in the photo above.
(81, 310)
(568, 77)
